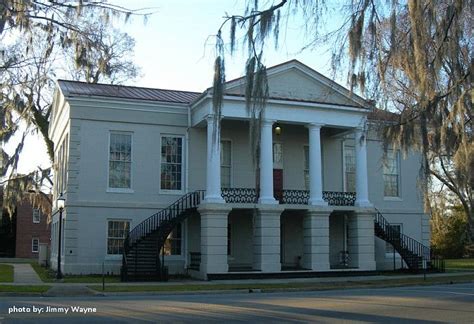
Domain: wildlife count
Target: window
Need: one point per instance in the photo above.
(349, 168)
(277, 156)
(397, 231)
(391, 174)
(35, 245)
(116, 232)
(36, 215)
(306, 167)
(171, 163)
(172, 244)
(226, 163)
(120, 160)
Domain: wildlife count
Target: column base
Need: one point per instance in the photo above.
(268, 267)
(268, 201)
(363, 203)
(367, 265)
(317, 266)
(214, 200)
(317, 202)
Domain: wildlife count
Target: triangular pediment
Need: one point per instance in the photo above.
(295, 81)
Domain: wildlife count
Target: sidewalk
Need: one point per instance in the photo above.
(23, 273)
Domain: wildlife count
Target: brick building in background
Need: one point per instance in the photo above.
(32, 228)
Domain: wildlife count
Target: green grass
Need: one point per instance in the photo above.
(465, 264)
(23, 289)
(6, 273)
(45, 274)
(48, 275)
(286, 286)
(90, 279)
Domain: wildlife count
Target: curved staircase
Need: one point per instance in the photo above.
(411, 251)
(141, 257)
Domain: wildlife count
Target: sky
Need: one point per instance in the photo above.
(175, 50)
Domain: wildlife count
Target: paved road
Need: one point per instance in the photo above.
(433, 304)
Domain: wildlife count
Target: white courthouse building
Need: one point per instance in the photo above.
(145, 161)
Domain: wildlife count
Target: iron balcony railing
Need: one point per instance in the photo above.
(287, 196)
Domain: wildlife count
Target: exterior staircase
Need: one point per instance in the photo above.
(417, 256)
(141, 257)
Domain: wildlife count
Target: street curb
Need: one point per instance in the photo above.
(276, 290)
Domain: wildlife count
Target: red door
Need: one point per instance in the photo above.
(278, 184)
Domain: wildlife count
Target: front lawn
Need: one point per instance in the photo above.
(23, 289)
(458, 264)
(6, 273)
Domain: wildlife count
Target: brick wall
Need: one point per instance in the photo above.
(26, 230)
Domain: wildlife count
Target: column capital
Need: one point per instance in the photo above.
(210, 118)
(312, 126)
(268, 122)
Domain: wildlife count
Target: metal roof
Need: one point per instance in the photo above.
(71, 88)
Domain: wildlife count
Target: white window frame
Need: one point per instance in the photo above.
(36, 212)
(306, 187)
(275, 165)
(231, 180)
(345, 144)
(120, 190)
(183, 167)
(33, 245)
(114, 256)
(399, 176)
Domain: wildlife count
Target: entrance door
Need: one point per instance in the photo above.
(278, 184)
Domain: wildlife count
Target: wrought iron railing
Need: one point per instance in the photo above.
(301, 197)
(338, 198)
(287, 196)
(295, 197)
(415, 254)
(190, 200)
(240, 195)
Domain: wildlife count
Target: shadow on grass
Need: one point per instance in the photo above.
(48, 275)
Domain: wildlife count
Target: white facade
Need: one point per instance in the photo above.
(122, 157)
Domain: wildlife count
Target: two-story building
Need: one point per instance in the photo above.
(126, 153)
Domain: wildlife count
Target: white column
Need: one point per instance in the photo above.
(362, 189)
(213, 176)
(315, 166)
(316, 240)
(266, 240)
(266, 164)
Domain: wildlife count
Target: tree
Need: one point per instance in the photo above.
(448, 226)
(411, 56)
(34, 34)
(108, 60)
